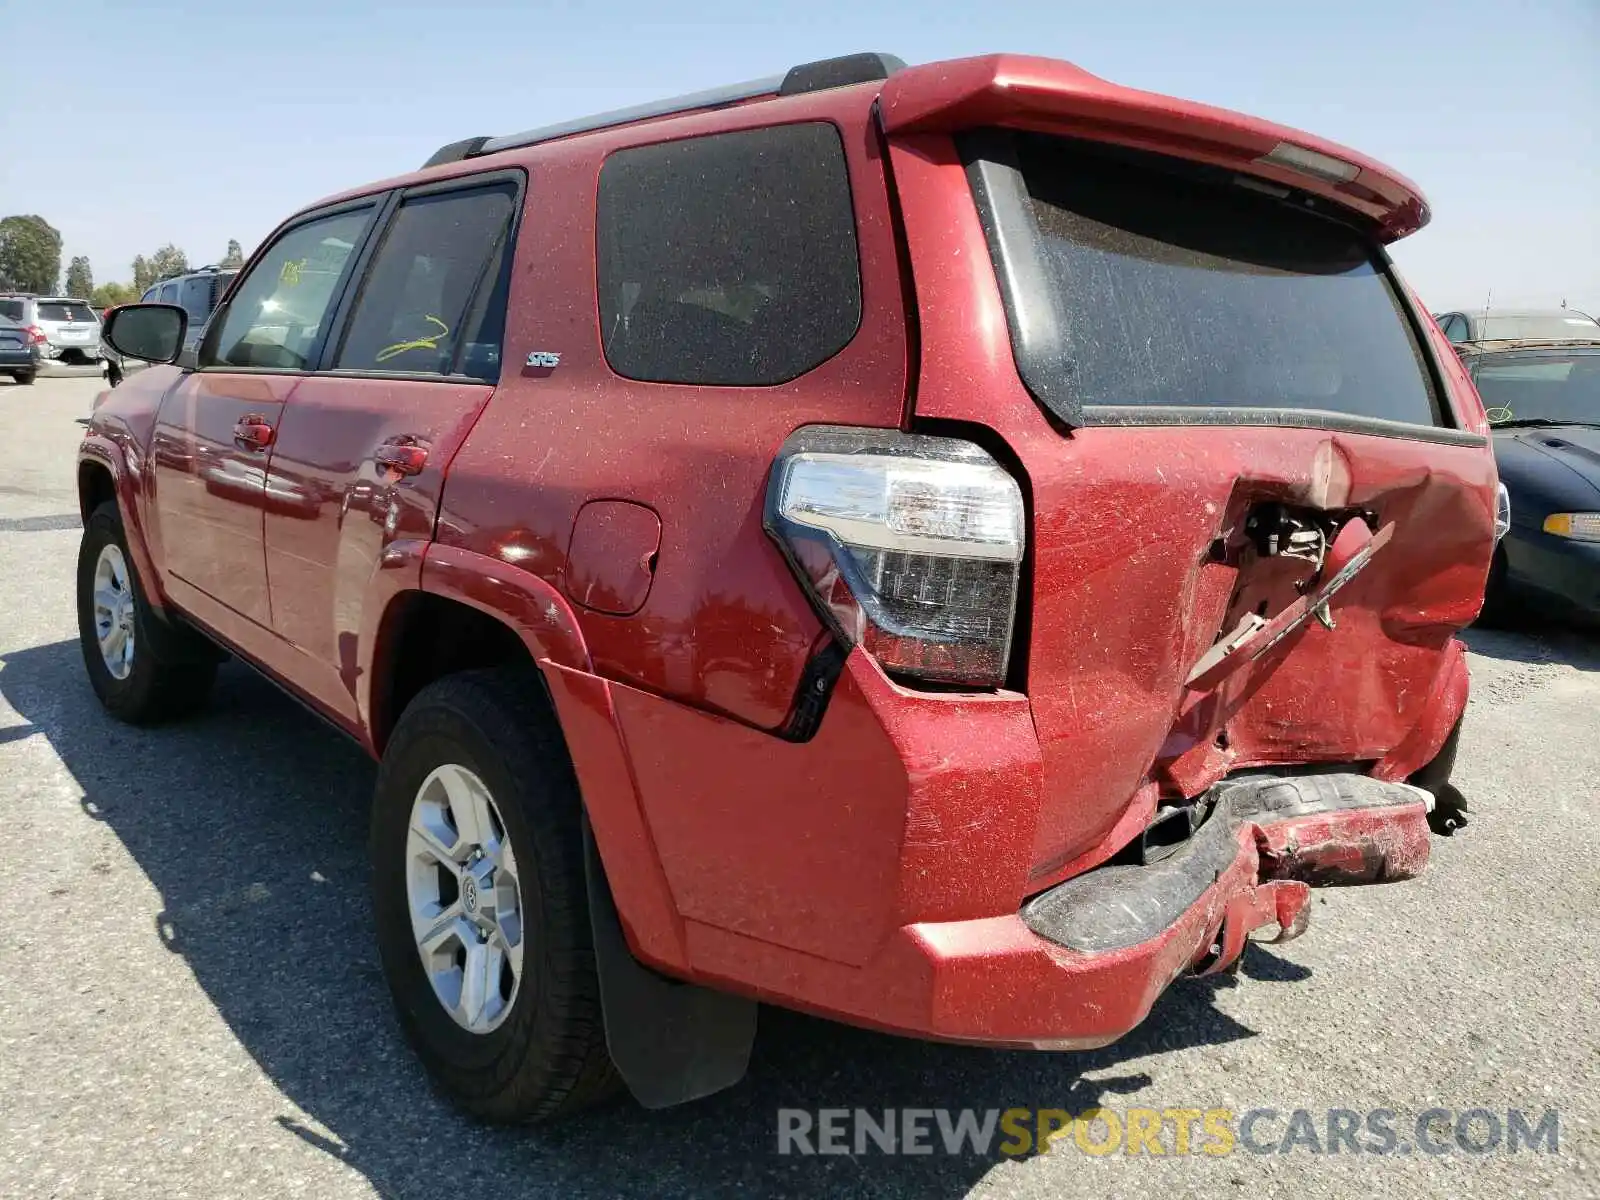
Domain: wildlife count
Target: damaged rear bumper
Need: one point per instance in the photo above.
(1083, 963)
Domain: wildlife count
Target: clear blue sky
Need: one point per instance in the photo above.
(129, 124)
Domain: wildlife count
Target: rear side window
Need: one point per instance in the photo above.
(64, 310)
(169, 293)
(729, 259)
(1168, 288)
(433, 303)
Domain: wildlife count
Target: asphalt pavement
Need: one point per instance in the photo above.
(191, 1003)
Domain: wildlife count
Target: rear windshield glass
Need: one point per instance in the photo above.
(12, 309)
(64, 310)
(1546, 385)
(1175, 290)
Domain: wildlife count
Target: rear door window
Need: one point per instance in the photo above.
(433, 302)
(729, 259)
(277, 316)
(1169, 288)
(169, 293)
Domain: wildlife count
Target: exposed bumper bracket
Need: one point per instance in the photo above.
(1267, 840)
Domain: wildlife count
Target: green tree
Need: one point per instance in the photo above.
(169, 261)
(30, 254)
(80, 279)
(234, 257)
(108, 295)
(144, 274)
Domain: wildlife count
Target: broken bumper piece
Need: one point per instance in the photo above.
(1082, 963)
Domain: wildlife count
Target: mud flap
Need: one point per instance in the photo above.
(672, 1042)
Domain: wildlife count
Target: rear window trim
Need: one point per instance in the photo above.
(1001, 197)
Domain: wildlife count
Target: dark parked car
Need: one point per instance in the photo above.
(19, 350)
(197, 293)
(1543, 401)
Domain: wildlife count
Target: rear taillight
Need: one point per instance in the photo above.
(910, 546)
(36, 336)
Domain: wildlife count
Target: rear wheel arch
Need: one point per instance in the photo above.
(423, 637)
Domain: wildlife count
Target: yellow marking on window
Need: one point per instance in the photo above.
(431, 342)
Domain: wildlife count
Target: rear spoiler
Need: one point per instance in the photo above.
(1050, 96)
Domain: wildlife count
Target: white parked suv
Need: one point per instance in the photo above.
(70, 328)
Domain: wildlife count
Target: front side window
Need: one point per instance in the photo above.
(432, 303)
(729, 259)
(1165, 287)
(278, 314)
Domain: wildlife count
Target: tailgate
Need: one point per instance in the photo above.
(1221, 403)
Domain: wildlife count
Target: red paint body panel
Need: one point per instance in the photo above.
(726, 627)
(874, 870)
(331, 513)
(209, 490)
(535, 609)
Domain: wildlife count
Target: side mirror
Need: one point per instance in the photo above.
(151, 332)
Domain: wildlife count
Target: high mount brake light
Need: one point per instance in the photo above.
(1310, 162)
(910, 546)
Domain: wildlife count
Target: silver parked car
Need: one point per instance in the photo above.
(1518, 324)
(70, 328)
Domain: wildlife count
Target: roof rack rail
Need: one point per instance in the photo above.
(807, 77)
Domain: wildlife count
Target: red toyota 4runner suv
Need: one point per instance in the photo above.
(951, 548)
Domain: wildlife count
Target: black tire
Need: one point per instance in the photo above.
(172, 669)
(25, 378)
(547, 1058)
